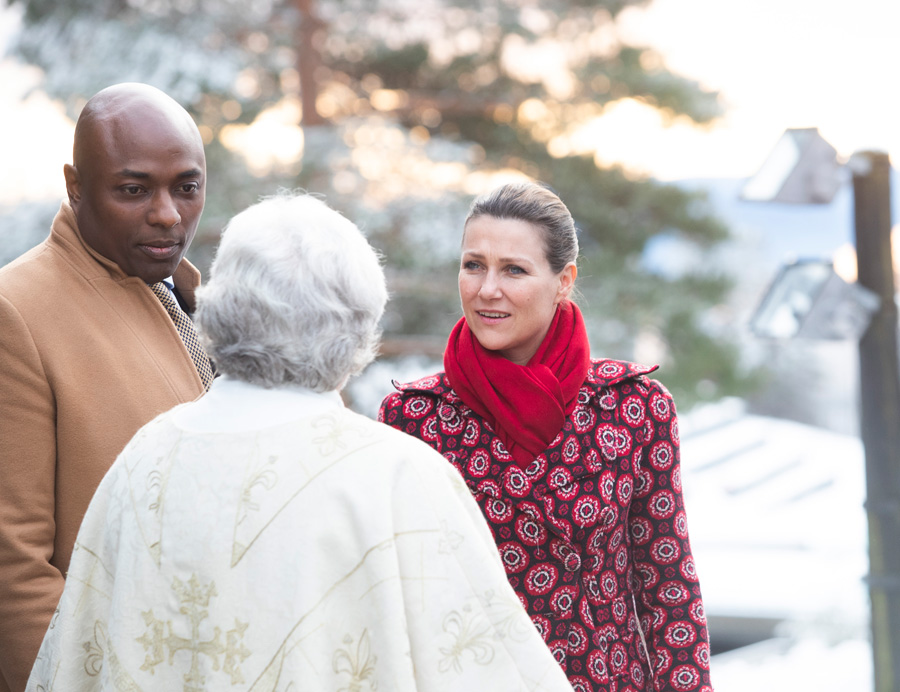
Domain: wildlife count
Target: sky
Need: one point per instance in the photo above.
(777, 64)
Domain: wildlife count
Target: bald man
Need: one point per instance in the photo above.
(88, 352)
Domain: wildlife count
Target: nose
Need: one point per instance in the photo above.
(163, 211)
(490, 286)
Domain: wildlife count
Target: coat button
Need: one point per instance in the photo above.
(572, 562)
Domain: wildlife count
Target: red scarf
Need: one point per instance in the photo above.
(526, 404)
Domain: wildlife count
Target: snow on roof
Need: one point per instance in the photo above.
(778, 530)
(791, 665)
(776, 514)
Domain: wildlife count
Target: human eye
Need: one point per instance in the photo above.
(515, 269)
(189, 188)
(471, 265)
(132, 190)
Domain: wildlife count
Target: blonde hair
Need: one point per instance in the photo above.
(536, 204)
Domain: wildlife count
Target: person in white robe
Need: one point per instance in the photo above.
(267, 538)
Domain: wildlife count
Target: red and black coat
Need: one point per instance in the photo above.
(592, 532)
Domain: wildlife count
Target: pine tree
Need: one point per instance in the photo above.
(407, 108)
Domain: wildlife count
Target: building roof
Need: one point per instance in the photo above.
(778, 529)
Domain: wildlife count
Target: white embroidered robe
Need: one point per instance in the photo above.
(276, 541)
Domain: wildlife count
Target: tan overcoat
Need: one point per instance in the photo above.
(88, 355)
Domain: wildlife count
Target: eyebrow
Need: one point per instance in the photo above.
(141, 175)
(503, 260)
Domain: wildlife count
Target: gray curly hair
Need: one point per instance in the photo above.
(295, 296)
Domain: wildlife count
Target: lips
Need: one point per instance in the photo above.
(161, 250)
(491, 315)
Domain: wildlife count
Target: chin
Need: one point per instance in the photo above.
(151, 276)
(492, 345)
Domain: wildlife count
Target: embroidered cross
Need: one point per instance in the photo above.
(160, 637)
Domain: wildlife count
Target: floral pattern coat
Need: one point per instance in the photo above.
(593, 532)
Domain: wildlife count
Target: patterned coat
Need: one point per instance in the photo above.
(593, 532)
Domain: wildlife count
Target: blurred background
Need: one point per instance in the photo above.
(667, 126)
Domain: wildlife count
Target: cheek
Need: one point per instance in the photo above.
(540, 305)
(528, 297)
(193, 208)
(467, 288)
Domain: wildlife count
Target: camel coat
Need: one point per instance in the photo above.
(88, 355)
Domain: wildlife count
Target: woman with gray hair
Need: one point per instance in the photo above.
(264, 537)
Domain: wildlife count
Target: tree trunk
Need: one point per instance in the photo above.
(308, 59)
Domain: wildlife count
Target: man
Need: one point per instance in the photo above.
(89, 354)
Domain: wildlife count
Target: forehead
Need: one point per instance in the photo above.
(144, 140)
(492, 236)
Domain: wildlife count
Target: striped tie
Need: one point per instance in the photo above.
(186, 330)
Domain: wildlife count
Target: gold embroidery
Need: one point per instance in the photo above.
(332, 439)
(507, 616)
(267, 478)
(469, 635)
(267, 679)
(100, 652)
(93, 662)
(336, 429)
(194, 601)
(155, 484)
(155, 488)
(450, 540)
(249, 527)
(358, 664)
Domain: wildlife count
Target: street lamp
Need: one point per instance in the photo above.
(803, 170)
(808, 300)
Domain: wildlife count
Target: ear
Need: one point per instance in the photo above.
(566, 281)
(73, 184)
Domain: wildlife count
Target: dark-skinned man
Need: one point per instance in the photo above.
(89, 353)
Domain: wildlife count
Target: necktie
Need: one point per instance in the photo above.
(186, 330)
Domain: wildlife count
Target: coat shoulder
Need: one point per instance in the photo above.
(606, 372)
(433, 387)
(436, 383)
(603, 373)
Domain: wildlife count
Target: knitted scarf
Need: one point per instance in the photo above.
(526, 405)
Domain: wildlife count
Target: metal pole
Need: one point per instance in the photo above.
(880, 412)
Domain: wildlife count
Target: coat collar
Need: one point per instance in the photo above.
(603, 373)
(91, 264)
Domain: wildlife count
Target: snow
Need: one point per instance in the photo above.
(778, 530)
(804, 665)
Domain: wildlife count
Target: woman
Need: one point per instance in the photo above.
(573, 461)
(264, 537)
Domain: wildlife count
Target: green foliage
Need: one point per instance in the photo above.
(459, 77)
(397, 69)
(705, 364)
